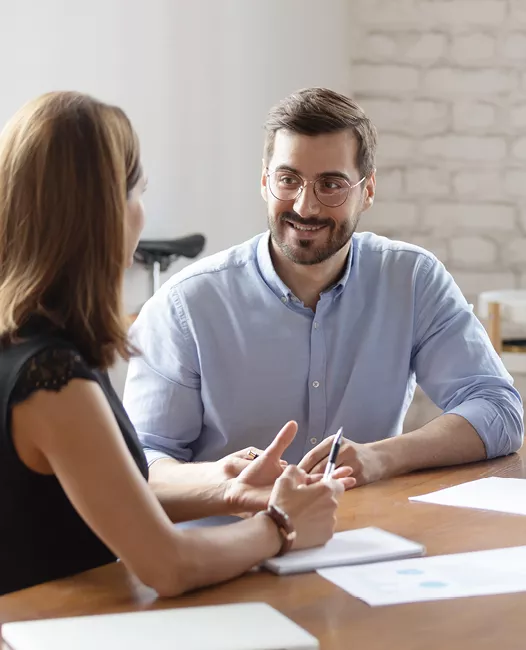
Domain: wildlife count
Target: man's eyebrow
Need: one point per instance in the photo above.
(337, 174)
(287, 168)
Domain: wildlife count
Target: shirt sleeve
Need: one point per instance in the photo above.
(162, 393)
(457, 367)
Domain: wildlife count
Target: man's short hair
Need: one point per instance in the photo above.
(314, 111)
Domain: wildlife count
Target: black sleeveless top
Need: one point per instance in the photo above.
(41, 535)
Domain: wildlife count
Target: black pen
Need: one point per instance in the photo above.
(331, 464)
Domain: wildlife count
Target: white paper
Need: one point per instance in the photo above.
(500, 494)
(498, 571)
(348, 547)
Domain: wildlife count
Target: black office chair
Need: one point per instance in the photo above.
(158, 255)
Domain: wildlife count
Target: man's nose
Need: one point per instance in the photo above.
(306, 203)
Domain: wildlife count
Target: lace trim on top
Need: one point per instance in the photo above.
(51, 369)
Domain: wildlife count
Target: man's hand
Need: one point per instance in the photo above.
(232, 465)
(250, 491)
(365, 461)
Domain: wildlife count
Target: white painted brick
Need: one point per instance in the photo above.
(472, 283)
(518, 116)
(386, 114)
(408, 14)
(463, 12)
(473, 217)
(516, 251)
(514, 47)
(469, 82)
(515, 182)
(424, 47)
(389, 183)
(422, 116)
(426, 181)
(463, 147)
(387, 14)
(380, 46)
(473, 116)
(434, 245)
(471, 48)
(467, 252)
(522, 220)
(479, 184)
(517, 12)
(395, 148)
(383, 79)
(386, 217)
(428, 117)
(518, 148)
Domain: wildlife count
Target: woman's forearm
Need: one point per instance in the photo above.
(207, 556)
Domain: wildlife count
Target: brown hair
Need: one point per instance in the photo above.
(313, 111)
(67, 163)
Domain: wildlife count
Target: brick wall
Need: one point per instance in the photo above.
(445, 83)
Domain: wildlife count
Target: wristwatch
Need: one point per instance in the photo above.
(284, 525)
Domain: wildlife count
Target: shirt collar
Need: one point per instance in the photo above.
(272, 279)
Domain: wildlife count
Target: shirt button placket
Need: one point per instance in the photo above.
(317, 397)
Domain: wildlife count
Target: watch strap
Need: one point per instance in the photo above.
(284, 526)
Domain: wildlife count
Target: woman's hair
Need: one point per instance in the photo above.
(67, 165)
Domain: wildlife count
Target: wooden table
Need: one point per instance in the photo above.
(337, 619)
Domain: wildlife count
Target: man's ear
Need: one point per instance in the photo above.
(264, 172)
(370, 190)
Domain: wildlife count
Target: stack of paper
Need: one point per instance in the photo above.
(501, 494)
(498, 571)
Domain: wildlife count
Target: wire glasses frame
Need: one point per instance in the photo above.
(331, 191)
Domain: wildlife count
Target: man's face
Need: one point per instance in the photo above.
(303, 228)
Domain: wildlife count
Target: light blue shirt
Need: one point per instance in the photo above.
(229, 355)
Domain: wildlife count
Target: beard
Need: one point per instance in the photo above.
(316, 249)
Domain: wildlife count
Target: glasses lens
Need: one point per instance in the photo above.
(284, 185)
(331, 190)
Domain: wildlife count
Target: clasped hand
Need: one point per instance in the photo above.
(249, 483)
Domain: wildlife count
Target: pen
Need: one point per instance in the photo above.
(329, 469)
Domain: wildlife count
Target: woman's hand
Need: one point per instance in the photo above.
(250, 491)
(310, 506)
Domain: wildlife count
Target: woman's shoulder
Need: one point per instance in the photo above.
(51, 367)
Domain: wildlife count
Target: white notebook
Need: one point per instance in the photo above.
(360, 546)
(244, 626)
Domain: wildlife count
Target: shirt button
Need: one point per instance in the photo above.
(284, 299)
(313, 441)
(315, 384)
(316, 325)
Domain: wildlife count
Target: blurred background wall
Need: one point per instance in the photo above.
(444, 81)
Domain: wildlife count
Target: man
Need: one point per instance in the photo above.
(315, 322)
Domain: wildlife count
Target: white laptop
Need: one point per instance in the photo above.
(243, 626)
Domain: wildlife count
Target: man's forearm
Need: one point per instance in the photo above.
(447, 440)
(189, 490)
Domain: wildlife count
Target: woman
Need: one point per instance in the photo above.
(73, 477)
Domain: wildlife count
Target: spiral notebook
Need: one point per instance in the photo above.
(359, 546)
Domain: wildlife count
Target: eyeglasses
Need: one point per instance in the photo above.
(331, 191)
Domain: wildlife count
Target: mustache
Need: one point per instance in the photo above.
(293, 217)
